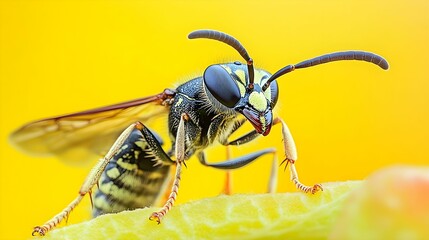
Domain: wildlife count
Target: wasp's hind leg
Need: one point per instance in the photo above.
(291, 157)
(89, 182)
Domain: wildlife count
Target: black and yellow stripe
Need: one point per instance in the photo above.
(134, 178)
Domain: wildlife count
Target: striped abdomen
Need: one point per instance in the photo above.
(132, 179)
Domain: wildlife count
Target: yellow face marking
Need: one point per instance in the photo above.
(258, 101)
(113, 173)
(258, 80)
(241, 75)
(262, 120)
(228, 69)
(242, 89)
(258, 77)
(267, 93)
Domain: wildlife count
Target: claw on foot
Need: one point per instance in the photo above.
(316, 188)
(155, 217)
(307, 189)
(39, 231)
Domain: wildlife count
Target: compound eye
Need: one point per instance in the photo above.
(274, 88)
(221, 85)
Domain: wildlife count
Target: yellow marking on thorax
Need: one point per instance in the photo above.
(179, 102)
(258, 101)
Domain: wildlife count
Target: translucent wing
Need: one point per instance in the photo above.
(77, 137)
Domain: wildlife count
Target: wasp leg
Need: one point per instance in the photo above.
(235, 162)
(228, 176)
(89, 182)
(291, 157)
(244, 139)
(244, 160)
(180, 158)
(272, 183)
(241, 140)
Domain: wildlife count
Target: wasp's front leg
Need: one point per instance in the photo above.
(291, 157)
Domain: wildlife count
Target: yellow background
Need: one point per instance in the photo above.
(348, 119)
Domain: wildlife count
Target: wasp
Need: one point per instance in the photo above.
(135, 171)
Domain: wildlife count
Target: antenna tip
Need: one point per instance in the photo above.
(192, 35)
(384, 64)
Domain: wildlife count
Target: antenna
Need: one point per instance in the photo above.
(331, 57)
(231, 41)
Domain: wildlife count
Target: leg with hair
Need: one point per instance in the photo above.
(180, 158)
(291, 157)
(89, 182)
